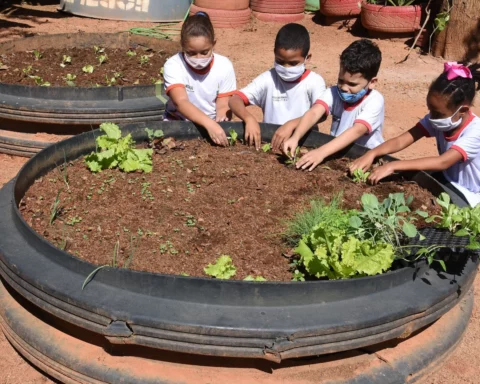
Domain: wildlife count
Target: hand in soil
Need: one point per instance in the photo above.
(380, 173)
(217, 134)
(283, 133)
(310, 160)
(252, 133)
(290, 147)
(364, 163)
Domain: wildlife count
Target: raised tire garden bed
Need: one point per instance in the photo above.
(71, 355)
(270, 320)
(388, 21)
(232, 5)
(225, 18)
(278, 6)
(27, 106)
(339, 11)
(133, 10)
(278, 17)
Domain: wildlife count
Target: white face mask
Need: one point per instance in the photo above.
(289, 73)
(198, 63)
(446, 124)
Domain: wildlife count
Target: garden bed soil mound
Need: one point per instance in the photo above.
(125, 69)
(200, 202)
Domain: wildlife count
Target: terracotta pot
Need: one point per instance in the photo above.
(231, 5)
(336, 8)
(390, 19)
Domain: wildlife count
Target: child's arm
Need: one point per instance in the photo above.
(315, 157)
(223, 111)
(434, 163)
(390, 146)
(252, 128)
(191, 112)
(283, 133)
(311, 117)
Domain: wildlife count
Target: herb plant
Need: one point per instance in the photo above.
(117, 151)
(222, 269)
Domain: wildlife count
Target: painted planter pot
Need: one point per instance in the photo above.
(389, 19)
(337, 8)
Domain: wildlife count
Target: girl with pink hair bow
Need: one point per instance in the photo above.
(456, 129)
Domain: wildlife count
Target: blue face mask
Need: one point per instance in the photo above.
(351, 98)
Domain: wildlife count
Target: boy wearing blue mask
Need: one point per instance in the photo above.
(357, 109)
(285, 92)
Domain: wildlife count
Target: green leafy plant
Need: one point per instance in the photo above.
(154, 134)
(257, 278)
(55, 210)
(26, 71)
(144, 59)
(40, 81)
(222, 269)
(88, 69)
(98, 49)
(359, 176)
(37, 54)
(110, 80)
(131, 53)
(267, 147)
(74, 220)
(70, 79)
(233, 138)
(102, 59)
(292, 160)
(65, 60)
(117, 151)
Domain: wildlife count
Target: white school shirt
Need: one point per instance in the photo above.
(369, 111)
(203, 86)
(281, 100)
(464, 175)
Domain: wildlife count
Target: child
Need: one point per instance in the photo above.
(285, 92)
(455, 127)
(357, 108)
(198, 81)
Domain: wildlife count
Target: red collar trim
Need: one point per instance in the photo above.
(351, 107)
(200, 71)
(303, 77)
(456, 135)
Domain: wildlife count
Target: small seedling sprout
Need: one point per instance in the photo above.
(66, 60)
(102, 59)
(88, 69)
(359, 176)
(232, 139)
(55, 207)
(266, 147)
(144, 59)
(38, 55)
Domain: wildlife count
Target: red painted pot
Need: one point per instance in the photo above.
(390, 19)
(335, 8)
(231, 5)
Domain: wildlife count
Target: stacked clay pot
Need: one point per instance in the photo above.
(282, 11)
(224, 13)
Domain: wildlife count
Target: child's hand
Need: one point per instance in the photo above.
(252, 133)
(364, 163)
(225, 115)
(217, 134)
(290, 146)
(310, 160)
(380, 173)
(283, 133)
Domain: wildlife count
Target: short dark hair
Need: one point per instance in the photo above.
(293, 37)
(362, 56)
(459, 90)
(198, 25)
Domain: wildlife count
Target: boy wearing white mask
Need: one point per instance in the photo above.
(357, 109)
(455, 128)
(284, 92)
(199, 82)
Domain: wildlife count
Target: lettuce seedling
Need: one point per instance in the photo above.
(251, 278)
(88, 69)
(70, 79)
(222, 269)
(144, 59)
(232, 139)
(292, 160)
(152, 135)
(102, 59)
(38, 55)
(40, 81)
(27, 71)
(359, 176)
(66, 60)
(267, 147)
(98, 49)
(131, 53)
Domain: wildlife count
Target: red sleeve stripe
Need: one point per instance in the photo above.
(425, 132)
(322, 103)
(365, 123)
(243, 96)
(462, 152)
(174, 86)
(226, 94)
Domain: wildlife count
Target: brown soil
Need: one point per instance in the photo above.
(199, 203)
(118, 69)
(251, 51)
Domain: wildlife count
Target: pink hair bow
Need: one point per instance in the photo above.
(454, 70)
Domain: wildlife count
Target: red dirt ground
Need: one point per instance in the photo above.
(251, 51)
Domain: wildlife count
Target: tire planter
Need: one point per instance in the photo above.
(61, 109)
(23, 144)
(278, 17)
(224, 18)
(71, 359)
(278, 6)
(270, 320)
(133, 10)
(391, 20)
(340, 8)
(230, 5)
